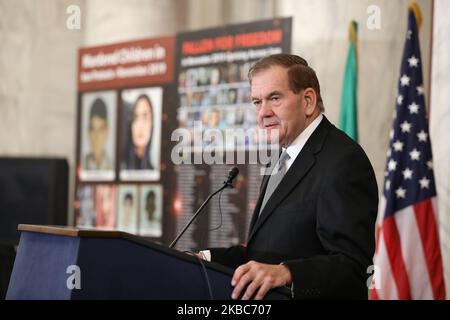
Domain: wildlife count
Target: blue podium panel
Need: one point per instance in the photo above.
(66, 263)
(40, 267)
(120, 269)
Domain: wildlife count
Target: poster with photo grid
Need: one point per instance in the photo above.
(213, 106)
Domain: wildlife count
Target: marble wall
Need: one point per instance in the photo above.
(107, 21)
(440, 124)
(38, 80)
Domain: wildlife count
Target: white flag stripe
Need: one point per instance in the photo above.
(381, 209)
(413, 254)
(387, 289)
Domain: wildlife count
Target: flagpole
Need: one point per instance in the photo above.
(412, 5)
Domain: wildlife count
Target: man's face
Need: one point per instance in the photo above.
(98, 133)
(278, 109)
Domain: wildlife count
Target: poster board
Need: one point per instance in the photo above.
(128, 175)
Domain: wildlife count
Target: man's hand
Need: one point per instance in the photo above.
(260, 278)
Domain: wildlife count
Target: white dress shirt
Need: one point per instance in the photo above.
(297, 145)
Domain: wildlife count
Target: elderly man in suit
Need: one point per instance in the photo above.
(313, 225)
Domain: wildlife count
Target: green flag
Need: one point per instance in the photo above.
(348, 119)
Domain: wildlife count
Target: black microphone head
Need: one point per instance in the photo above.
(233, 173)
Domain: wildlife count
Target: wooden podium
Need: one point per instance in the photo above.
(51, 261)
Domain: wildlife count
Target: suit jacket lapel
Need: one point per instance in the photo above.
(264, 183)
(302, 164)
(296, 172)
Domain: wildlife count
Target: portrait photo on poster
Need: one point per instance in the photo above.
(98, 136)
(141, 134)
(85, 206)
(105, 206)
(127, 208)
(151, 207)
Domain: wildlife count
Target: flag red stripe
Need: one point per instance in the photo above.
(374, 294)
(429, 235)
(394, 250)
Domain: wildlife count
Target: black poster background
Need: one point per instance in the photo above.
(211, 77)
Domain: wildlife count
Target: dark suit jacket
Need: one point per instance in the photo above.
(320, 221)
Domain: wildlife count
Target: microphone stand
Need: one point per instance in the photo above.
(226, 184)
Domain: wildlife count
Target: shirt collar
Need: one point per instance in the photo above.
(297, 145)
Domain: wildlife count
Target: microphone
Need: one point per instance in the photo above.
(226, 184)
(231, 175)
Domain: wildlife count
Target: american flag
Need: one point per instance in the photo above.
(408, 263)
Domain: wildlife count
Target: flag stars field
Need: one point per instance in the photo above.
(392, 165)
(400, 192)
(406, 126)
(398, 146)
(415, 155)
(409, 34)
(413, 62)
(420, 90)
(407, 174)
(424, 183)
(413, 108)
(405, 80)
(422, 136)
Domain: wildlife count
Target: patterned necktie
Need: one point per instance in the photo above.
(275, 178)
